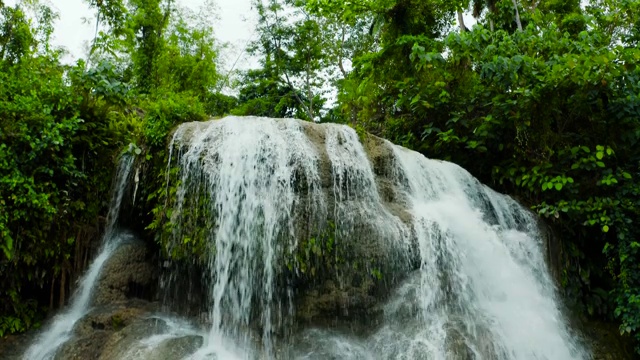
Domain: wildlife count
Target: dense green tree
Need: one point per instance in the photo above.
(63, 126)
(56, 130)
(295, 64)
(262, 93)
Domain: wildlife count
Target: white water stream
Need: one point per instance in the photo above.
(248, 169)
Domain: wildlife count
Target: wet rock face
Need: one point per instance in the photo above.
(92, 333)
(12, 347)
(128, 274)
(343, 193)
(326, 303)
(120, 343)
(175, 348)
(112, 341)
(122, 315)
(349, 281)
(121, 302)
(605, 341)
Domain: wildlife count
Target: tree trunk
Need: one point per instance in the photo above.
(52, 291)
(340, 65)
(63, 284)
(295, 94)
(309, 90)
(515, 6)
(461, 22)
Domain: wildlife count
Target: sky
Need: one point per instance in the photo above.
(235, 25)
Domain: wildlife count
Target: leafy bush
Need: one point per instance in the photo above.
(165, 112)
(61, 128)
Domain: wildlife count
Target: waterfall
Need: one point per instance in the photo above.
(248, 171)
(475, 283)
(60, 329)
(482, 290)
(317, 243)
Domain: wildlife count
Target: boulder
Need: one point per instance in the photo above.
(93, 332)
(129, 273)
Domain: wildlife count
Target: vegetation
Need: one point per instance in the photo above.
(62, 128)
(540, 99)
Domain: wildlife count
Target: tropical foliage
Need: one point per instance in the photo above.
(63, 126)
(539, 99)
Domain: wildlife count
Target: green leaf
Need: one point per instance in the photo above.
(558, 186)
(605, 228)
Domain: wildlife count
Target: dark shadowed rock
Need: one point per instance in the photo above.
(12, 347)
(127, 274)
(93, 332)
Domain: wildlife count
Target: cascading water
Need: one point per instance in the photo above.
(482, 291)
(247, 171)
(59, 331)
(475, 281)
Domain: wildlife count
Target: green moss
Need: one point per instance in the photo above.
(117, 322)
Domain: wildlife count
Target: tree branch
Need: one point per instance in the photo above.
(515, 6)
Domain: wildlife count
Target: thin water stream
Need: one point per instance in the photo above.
(59, 330)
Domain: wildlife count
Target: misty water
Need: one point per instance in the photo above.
(474, 281)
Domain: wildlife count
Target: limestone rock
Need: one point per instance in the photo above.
(127, 274)
(176, 348)
(12, 347)
(122, 342)
(93, 332)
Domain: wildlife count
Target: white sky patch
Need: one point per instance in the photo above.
(234, 25)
